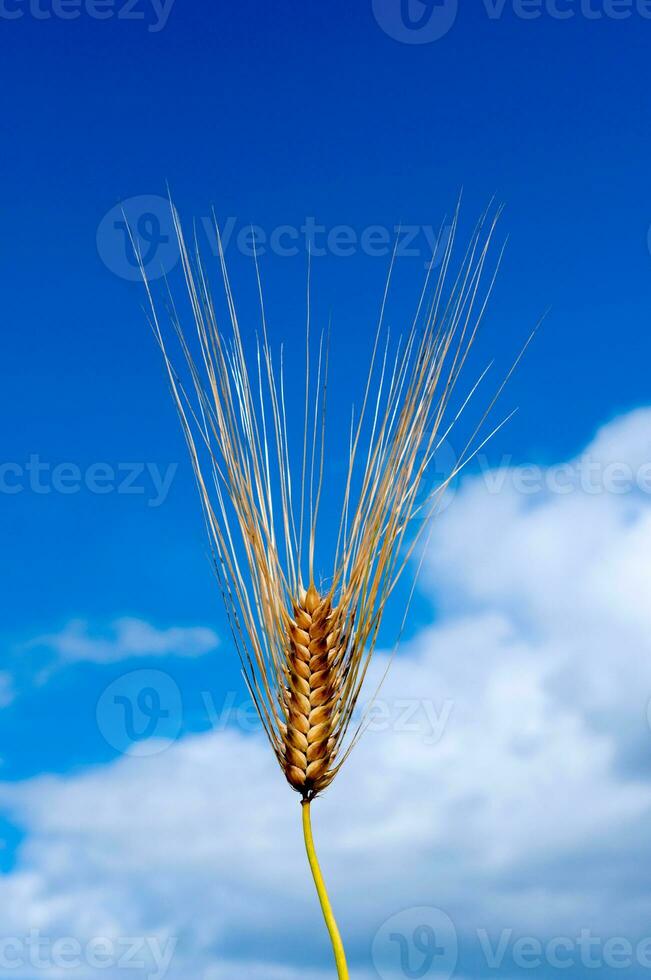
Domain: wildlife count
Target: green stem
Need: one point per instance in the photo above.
(335, 938)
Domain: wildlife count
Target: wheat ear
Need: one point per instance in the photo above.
(313, 693)
(305, 649)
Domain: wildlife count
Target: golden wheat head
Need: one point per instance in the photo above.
(305, 646)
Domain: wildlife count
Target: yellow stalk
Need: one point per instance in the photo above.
(326, 908)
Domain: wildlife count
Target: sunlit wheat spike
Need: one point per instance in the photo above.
(305, 646)
(316, 652)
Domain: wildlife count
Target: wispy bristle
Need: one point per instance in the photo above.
(304, 652)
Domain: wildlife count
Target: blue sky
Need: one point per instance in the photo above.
(343, 118)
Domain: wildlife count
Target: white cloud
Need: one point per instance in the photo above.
(571, 573)
(530, 812)
(125, 638)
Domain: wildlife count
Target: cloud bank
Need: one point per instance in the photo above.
(524, 813)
